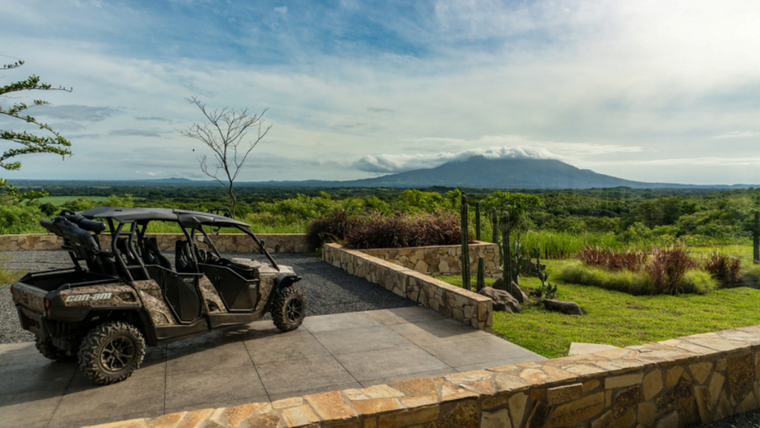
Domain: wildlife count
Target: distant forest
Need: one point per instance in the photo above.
(725, 215)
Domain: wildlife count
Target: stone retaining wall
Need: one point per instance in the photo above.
(450, 300)
(441, 260)
(225, 242)
(668, 384)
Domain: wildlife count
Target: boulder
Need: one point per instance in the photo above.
(518, 294)
(502, 301)
(569, 308)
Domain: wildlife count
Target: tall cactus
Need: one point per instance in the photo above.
(465, 245)
(477, 221)
(756, 239)
(507, 257)
(494, 226)
(481, 281)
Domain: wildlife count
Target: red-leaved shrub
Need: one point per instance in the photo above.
(611, 259)
(667, 268)
(333, 227)
(401, 230)
(724, 268)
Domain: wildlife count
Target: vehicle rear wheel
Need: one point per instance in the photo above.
(49, 351)
(111, 352)
(288, 309)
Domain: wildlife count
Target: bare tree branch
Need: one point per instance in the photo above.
(225, 135)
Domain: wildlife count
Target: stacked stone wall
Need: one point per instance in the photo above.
(670, 384)
(225, 242)
(450, 300)
(441, 260)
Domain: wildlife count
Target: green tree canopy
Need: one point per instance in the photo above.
(24, 143)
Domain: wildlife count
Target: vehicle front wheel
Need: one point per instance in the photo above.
(49, 351)
(111, 352)
(288, 309)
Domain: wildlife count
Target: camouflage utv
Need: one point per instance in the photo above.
(123, 293)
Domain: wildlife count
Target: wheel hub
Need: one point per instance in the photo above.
(293, 310)
(117, 354)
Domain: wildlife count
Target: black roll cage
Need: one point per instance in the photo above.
(138, 228)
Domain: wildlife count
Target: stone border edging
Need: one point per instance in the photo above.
(225, 242)
(668, 384)
(440, 259)
(450, 300)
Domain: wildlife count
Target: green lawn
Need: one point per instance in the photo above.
(620, 319)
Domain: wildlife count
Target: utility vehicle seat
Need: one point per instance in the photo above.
(152, 255)
(183, 259)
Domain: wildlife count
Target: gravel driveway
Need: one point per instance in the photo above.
(328, 290)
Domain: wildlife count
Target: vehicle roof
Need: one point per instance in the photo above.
(186, 218)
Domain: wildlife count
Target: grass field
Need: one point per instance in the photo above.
(620, 319)
(60, 200)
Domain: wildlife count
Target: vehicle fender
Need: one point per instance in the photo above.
(284, 280)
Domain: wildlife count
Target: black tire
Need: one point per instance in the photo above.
(111, 352)
(288, 309)
(50, 352)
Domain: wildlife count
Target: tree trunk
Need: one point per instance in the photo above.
(234, 202)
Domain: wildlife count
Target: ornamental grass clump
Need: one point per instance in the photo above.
(611, 259)
(663, 271)
(667, 268)
(724, 268)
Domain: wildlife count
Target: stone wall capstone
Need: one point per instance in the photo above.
(441, 260)
(452, 301)
(225, 242)
(669, 384)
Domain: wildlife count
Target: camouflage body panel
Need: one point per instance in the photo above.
(267, 275)
(211, 299)
(29, 297)
(249, 262)
(113, 294)
(153, 300)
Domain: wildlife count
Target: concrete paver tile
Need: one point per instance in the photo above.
(29, 409)
(390, 363)
(113, 402)
(411, 314)
(35, 373)
(365, 339)
(338, 322)
(285, 347)
(301, 375)
(214, 386)
(230, 355)
(444, 329)
(477, 350)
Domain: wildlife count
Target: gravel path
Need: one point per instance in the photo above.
(743, 420)
(328, 290)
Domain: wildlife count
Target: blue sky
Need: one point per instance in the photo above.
(646, 90)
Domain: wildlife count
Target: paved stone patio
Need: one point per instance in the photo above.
(253, 363)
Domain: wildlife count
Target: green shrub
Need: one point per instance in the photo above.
(698, 282)
(635, 283)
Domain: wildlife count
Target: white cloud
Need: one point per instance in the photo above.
(392, 163)
(592, 82)
(738, 134)
(282, 10)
